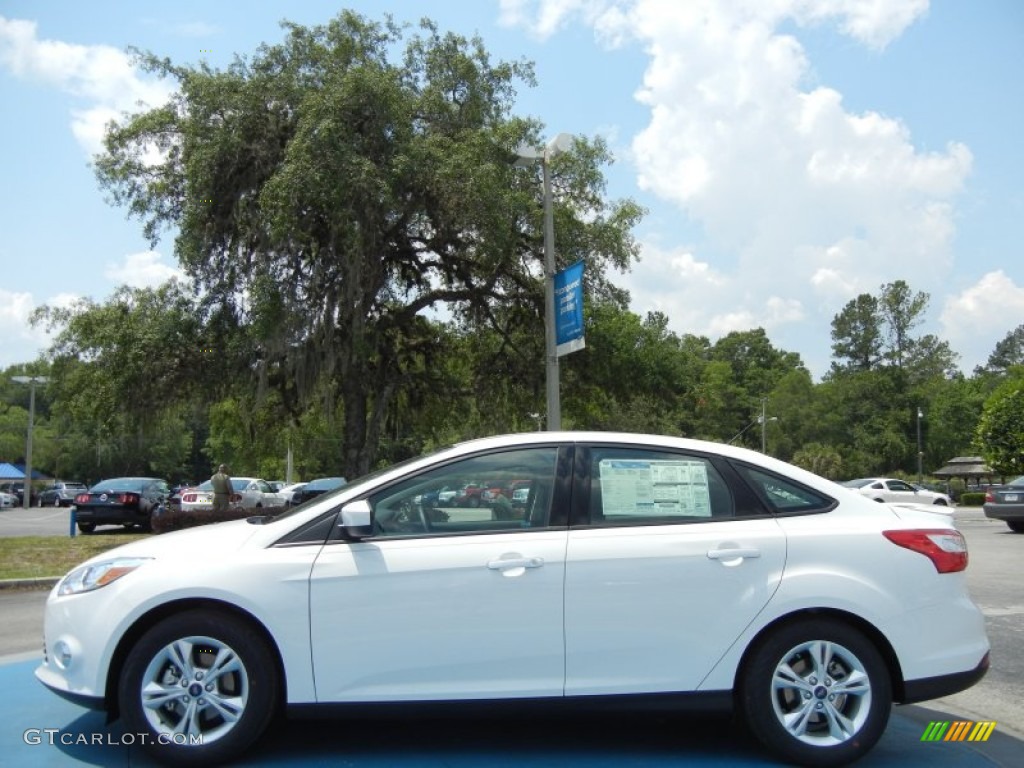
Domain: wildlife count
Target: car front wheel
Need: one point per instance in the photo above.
(1017, 526)
(816, 693)
(202, 684)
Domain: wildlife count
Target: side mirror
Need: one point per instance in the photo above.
(357, 519)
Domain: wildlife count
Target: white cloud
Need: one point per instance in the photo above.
(974, 320)
(101, 77)
(142, 270)
(800, 198)
(22, 341)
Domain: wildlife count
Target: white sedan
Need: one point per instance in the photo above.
(641, 571)
(891, 490)
(247, 492)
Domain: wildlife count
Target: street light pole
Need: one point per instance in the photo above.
(26, 495)
(920, 453)
(528, 155)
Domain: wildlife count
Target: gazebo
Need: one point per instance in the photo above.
(971, 469)
(11, 472)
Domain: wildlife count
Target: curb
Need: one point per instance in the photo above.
(43, 582)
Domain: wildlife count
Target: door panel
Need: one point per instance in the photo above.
(439, 618)
(664, 574)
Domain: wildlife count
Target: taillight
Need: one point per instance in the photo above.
(945, 547)
(989, 498)
(82, 498)
(188, 497)
(129, 498)
(235, 498)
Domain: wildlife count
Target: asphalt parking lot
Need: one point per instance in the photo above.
(41, 729)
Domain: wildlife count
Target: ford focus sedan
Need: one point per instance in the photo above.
(641, 571)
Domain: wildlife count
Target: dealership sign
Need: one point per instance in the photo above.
(569, 309)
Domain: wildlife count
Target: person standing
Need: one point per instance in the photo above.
(221, 483)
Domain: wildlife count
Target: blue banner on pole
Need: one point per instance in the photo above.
(569, 310)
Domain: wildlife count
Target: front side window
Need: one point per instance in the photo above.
(504, 491)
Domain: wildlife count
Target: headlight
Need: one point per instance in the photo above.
(96, 575)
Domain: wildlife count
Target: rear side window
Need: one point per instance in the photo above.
(785, 496)
(641, 487)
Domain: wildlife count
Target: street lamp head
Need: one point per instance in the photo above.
(30, 379)
(527, 155)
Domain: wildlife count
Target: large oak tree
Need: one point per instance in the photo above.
(334, 190)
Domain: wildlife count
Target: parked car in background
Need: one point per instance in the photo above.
(288, 491)
(887, 489)
(60, 494)
(315, 488)
(1006, 503)
(609, 589)
(127, 501)
(247, 492)
(17, 488)
(8, 500)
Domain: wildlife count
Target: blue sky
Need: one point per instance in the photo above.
(792, 153)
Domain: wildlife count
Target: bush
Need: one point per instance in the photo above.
(972, 499)
(174, 518)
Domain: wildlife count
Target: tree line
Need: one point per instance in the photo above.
(364, 265)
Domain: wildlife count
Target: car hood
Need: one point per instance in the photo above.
(197, 543)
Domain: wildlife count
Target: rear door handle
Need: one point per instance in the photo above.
(516, 562)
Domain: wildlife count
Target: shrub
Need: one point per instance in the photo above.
(174, 518)
(972, 499)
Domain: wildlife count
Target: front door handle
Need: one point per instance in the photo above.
(733, 554)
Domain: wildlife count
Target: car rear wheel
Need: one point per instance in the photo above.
(87, 527)
(1017, 526)
(940, 502)
(817, 693)
(202, 685)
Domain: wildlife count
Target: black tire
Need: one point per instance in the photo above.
(1017, 526)
(940, 502)
(39, 501)
(247, 687)
(56, 501)
(86, 527)
(806, 719)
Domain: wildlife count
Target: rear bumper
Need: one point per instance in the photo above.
(1004, 511)
(943, 685)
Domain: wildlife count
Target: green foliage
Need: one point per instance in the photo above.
(345, 194)
(820, 459)
(971, 499)
(1001, 428)
(174, 518)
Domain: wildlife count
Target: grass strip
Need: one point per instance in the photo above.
(31, 557)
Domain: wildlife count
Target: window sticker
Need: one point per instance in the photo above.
(655, 487)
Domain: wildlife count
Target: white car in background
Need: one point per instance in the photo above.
(891, 490)
(247, 492)
(8, 500)
(641, 571)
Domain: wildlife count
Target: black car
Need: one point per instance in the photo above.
(1006, 503)
(127, 501)
(60, 494)
(315, 488)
